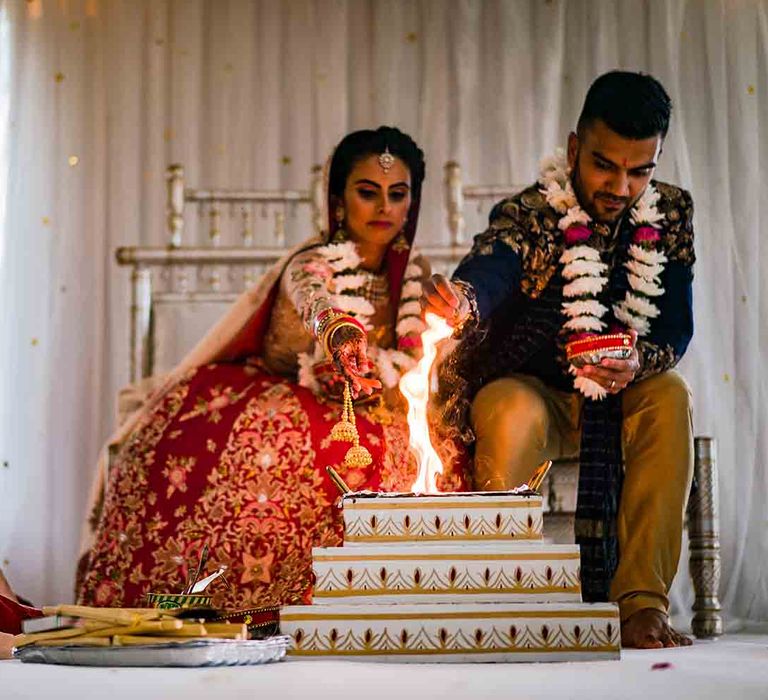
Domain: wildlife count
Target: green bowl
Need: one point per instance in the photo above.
(168, 601)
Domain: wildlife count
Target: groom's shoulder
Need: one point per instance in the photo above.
(676, 204)
(674, 200)
(525, 210)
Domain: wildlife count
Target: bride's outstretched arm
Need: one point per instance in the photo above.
(310, 287)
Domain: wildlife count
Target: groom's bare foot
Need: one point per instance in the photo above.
(649, 629)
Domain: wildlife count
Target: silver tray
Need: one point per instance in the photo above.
(213, 652)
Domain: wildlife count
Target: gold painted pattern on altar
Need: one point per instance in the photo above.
(554, 638)
(384, 557)
(606, 649)
(494, 578)
(447, 529)
(491, 537)
(530, 502)
(363, 592)
(498, 615)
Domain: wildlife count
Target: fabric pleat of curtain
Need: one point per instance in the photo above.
(97, 97)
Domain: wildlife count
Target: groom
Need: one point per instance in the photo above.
(574, 306)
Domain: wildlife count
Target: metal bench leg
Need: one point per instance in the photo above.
(704, 535)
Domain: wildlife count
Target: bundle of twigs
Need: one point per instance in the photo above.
(127, 626)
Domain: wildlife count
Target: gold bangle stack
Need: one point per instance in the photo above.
(328, 336)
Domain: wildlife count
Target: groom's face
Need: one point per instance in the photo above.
(610, 172)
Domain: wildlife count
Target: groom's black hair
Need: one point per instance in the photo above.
(634, 105)
(361, 144)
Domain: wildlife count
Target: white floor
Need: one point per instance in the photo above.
(734, 667)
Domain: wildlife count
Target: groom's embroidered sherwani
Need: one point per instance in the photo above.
(507, 385)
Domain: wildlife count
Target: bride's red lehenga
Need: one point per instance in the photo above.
(234, 453)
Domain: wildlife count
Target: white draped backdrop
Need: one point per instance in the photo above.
(98, 96)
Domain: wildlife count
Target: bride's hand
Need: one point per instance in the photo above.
(349, 348)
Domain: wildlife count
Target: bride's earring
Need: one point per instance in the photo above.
(400, 244)
(340, 235)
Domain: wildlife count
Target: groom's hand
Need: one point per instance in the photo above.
(440, 297)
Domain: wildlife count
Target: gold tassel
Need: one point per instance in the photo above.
(346, 431)
(357, 456)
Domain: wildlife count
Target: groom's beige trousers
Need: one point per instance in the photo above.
(520, 422)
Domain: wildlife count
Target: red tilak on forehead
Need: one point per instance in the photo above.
(624, 162)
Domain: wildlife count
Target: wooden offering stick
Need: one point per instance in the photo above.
(539, 475)
(115, 616)
(336, 479)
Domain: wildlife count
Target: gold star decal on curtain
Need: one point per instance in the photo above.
(73, 161)
(751, 90)
(59, 77)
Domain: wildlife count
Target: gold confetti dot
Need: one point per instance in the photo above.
(73, 161)
(743, 298)
(412, 37)
(228, 68)
(6, 562)
(35, 341)
(286, 160)
(726, 377)
(751, 90)
(74, 26)
(59, 77)
(46, 221)
(221, 149)
(168, 135)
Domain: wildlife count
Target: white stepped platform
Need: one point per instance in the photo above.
(461, 632)
(531, 572)
(440, 519)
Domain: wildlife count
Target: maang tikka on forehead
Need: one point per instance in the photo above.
(386, 160)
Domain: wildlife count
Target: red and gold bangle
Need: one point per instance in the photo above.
(322, 320)
(596, 344)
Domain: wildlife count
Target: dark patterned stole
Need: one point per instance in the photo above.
(600, 480)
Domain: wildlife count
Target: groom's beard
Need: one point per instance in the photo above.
(603, 207)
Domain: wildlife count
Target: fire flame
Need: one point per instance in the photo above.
(415, 387)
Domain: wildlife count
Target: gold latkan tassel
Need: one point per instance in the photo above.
(346, 431)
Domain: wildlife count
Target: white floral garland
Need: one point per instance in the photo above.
(585, 273)
(346, 295)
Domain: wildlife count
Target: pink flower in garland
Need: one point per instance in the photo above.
(577, 234)
(646, 234)
(409, 341)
